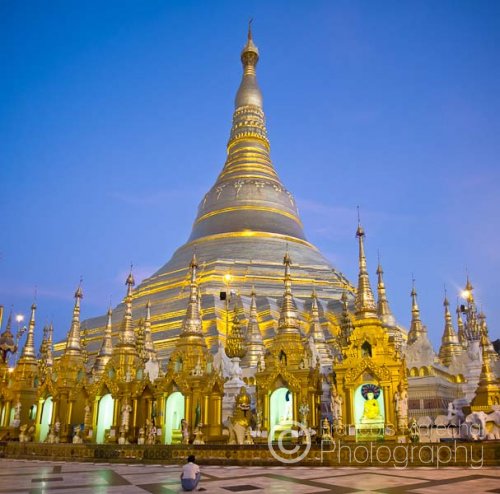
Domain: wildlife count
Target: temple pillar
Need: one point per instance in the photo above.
(348, 411)
(134, 416)
(265, 419)
(214, 415)
(189, 412)
(6, 420)
(69, 412)
(205, 410)
(95, 413)
(38, 418)
(116, 413)
(386, 388)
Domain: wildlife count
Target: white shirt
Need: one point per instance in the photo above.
(190, 470)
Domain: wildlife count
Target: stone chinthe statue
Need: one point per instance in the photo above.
(240, 421)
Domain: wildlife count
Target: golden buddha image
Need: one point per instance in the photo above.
(371, 409)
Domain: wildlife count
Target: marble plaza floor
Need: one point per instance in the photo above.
(39, 477)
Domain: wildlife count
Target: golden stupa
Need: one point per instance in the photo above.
(243, 227)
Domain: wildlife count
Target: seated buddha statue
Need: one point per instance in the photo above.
(371, 409)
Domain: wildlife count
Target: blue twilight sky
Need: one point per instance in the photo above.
(114, 117)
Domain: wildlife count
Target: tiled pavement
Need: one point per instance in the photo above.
(40, 477)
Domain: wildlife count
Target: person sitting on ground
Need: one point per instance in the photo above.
(190, 475)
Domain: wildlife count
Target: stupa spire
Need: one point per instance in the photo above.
(192, 323)
(346, 325)
(488, 389)
(254, 336)
(149, 347)
(46, 361)
(288, 320)
(383, 309)
(365, 303)
(450, 346)
(315, 329)
(417, 329)
(74, 343)
(127, 333)
(49, 357)
(248, 195)
(316, 332)
(106, 350)
(29, 352)
(462, 337)
(249, 92)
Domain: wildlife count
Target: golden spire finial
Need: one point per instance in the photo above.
(249, 91)
(450, 345)
(254, 336)
(130, 281)
(365, 303)
(383, 309)
(315, 329)
(106, 350)
(49, 361)
(192, 322)
(149, 347)
(127, 333)
(29, 352)
(288, 321)
(488, 390)
(74, 344)
(417, 329)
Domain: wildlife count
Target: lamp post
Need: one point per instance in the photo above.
(227, 295)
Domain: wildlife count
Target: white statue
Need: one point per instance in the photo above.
(51, 437)
(16, 421)
(25, 433)
(77, 438)
(314, 351)
(336, 401)
(258, 422)
(126, 409)
(150, 432)
(185, 431)
(198, 370)
(401, 399)
(57, 430)
(152, 369)
(141, 439)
